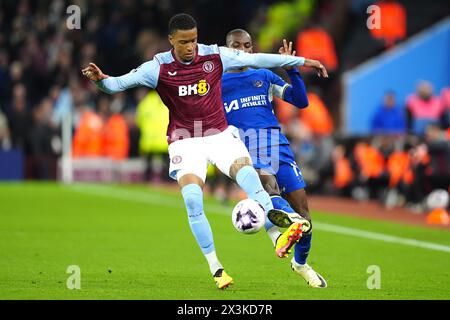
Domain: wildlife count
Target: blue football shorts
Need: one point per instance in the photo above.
(279, 161)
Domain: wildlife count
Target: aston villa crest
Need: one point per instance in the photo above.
(208, 67)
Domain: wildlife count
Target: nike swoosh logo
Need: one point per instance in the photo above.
(172, 73)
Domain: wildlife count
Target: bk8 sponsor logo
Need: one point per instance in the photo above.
(201, 88)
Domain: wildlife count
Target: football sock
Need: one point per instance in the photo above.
(213, 262)
(280, 203)
(301, 248)
(193, 199)
(273, 234)
(247, 178)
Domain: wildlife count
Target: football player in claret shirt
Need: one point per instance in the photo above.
(250, 110)
(188, 79)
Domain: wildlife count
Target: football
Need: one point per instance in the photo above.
(248, 216)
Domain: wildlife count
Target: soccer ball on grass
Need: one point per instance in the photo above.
(248, 216)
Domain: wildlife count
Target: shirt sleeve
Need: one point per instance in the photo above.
(277, 85)
(296, 94)
(145, 75)
(235, 59)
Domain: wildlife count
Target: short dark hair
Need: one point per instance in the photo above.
(181, 21)
(233, 32)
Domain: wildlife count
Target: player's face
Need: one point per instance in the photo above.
(184, 43)
(241, 41)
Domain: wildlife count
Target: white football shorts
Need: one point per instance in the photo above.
(192, 155)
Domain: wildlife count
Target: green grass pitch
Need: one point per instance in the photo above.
(134, 242)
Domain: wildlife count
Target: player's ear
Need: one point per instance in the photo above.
(170, 37)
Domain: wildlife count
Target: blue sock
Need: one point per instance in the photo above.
(301, 248)
(247, 178)
(193, 199)
(281, 204)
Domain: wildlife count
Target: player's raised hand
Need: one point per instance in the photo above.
(92, 72)
(320, 68)
(287, 50)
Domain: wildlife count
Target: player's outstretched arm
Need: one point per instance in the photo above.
(235, 59)
(287, 50)
(295, 94)
(145, 75)
(320, 68)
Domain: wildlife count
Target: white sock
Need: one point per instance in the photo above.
(295, 263)
(273, 234)
(213, 262)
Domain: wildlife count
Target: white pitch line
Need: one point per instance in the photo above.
(127, 195)
(380, 237)
(175, 201)
(140, 196)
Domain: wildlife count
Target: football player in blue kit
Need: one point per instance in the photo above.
(247, 95)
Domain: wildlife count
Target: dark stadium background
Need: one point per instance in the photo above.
(40, 63)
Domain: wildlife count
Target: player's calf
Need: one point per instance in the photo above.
(247, 178)
(298, 201)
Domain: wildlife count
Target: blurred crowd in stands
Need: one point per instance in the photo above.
(406, 156)
(41, 83)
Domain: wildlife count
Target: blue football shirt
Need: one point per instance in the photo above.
(247, 98)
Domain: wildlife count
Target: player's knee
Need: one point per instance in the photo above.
(237, 165)
(270, 184)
